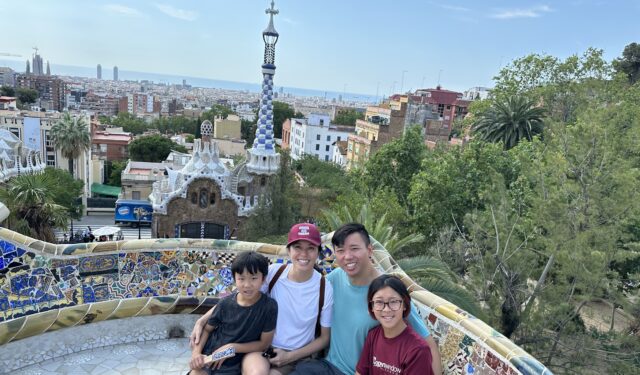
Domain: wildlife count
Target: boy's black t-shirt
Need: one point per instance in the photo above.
(240, 324)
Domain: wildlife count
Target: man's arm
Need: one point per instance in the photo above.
(421, 328)
(195, 338)
(436, 362)
(283, 357)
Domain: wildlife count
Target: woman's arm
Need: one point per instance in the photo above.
(196, 333)
(198, 360)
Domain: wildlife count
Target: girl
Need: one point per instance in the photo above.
(393, 347)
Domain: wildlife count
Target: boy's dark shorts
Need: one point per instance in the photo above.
(232, 370)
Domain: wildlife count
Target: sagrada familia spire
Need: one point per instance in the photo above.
(263, 158)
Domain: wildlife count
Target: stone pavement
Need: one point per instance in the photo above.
(158, 357)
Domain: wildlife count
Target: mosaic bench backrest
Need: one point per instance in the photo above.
(45, 287)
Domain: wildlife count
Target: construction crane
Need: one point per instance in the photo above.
(9, 54)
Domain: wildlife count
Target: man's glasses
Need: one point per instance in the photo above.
(394, 304)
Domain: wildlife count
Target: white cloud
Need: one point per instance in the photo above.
(121, 9)
(532, 12)
(181, 14)
(288, 20)
(454, 8)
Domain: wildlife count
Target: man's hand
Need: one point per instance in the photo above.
(282, 358)
(198, 361)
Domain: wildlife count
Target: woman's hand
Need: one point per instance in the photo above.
(282, 358)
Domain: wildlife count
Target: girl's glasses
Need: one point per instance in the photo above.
(394, 304)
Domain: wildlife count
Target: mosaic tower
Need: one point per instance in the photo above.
(263, 158)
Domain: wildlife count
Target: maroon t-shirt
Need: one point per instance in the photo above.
(405, 354)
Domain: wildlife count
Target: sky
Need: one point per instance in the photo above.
(359, 46)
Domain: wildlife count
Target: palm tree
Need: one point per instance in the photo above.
(510, 120)
(430, 273)
(71, 136)
(33, 211)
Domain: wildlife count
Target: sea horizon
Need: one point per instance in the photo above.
(159, 78)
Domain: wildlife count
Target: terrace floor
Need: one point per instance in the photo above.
(160, 357)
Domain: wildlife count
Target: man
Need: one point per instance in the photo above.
(351, 321)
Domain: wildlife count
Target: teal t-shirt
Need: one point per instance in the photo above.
(351, 322)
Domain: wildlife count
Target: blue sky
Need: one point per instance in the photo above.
(360, 46)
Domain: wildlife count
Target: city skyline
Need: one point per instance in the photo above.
(369, 48)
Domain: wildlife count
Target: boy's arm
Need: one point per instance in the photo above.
(252, 346)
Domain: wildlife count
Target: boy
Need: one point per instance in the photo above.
(351, 321)
(243, 322)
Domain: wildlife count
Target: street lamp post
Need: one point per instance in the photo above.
(140, 213)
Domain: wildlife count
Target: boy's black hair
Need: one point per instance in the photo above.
(252, 262)
(341, 234)
(394, 283)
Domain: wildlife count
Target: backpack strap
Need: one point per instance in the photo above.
(320, 304)
(277, 276)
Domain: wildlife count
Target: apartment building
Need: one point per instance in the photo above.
(381, 124)
(51, 90)
(314, 135)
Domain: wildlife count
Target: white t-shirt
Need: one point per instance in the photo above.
(298, 308)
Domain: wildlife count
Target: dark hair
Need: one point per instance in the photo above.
(394, 283)
(341, 234)
(252, 262)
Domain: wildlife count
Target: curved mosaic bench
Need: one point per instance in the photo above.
(46, 287)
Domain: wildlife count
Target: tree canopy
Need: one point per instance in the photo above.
(153, 148)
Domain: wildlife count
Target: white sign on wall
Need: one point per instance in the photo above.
(32, 137)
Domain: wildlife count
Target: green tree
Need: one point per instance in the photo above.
(395, 164)
(153, 148)
(348, 117)
(629, 63)
(30, 199)
(26, 96)
(277, 210)
(510, 120)
(130, 123)
(248, 131)
(7, 91)
(71, 136)
(564, 87)
(452, 182)
(65, 190)
(115, 172)
(217, 110)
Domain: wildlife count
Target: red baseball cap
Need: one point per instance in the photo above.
(304, 231)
